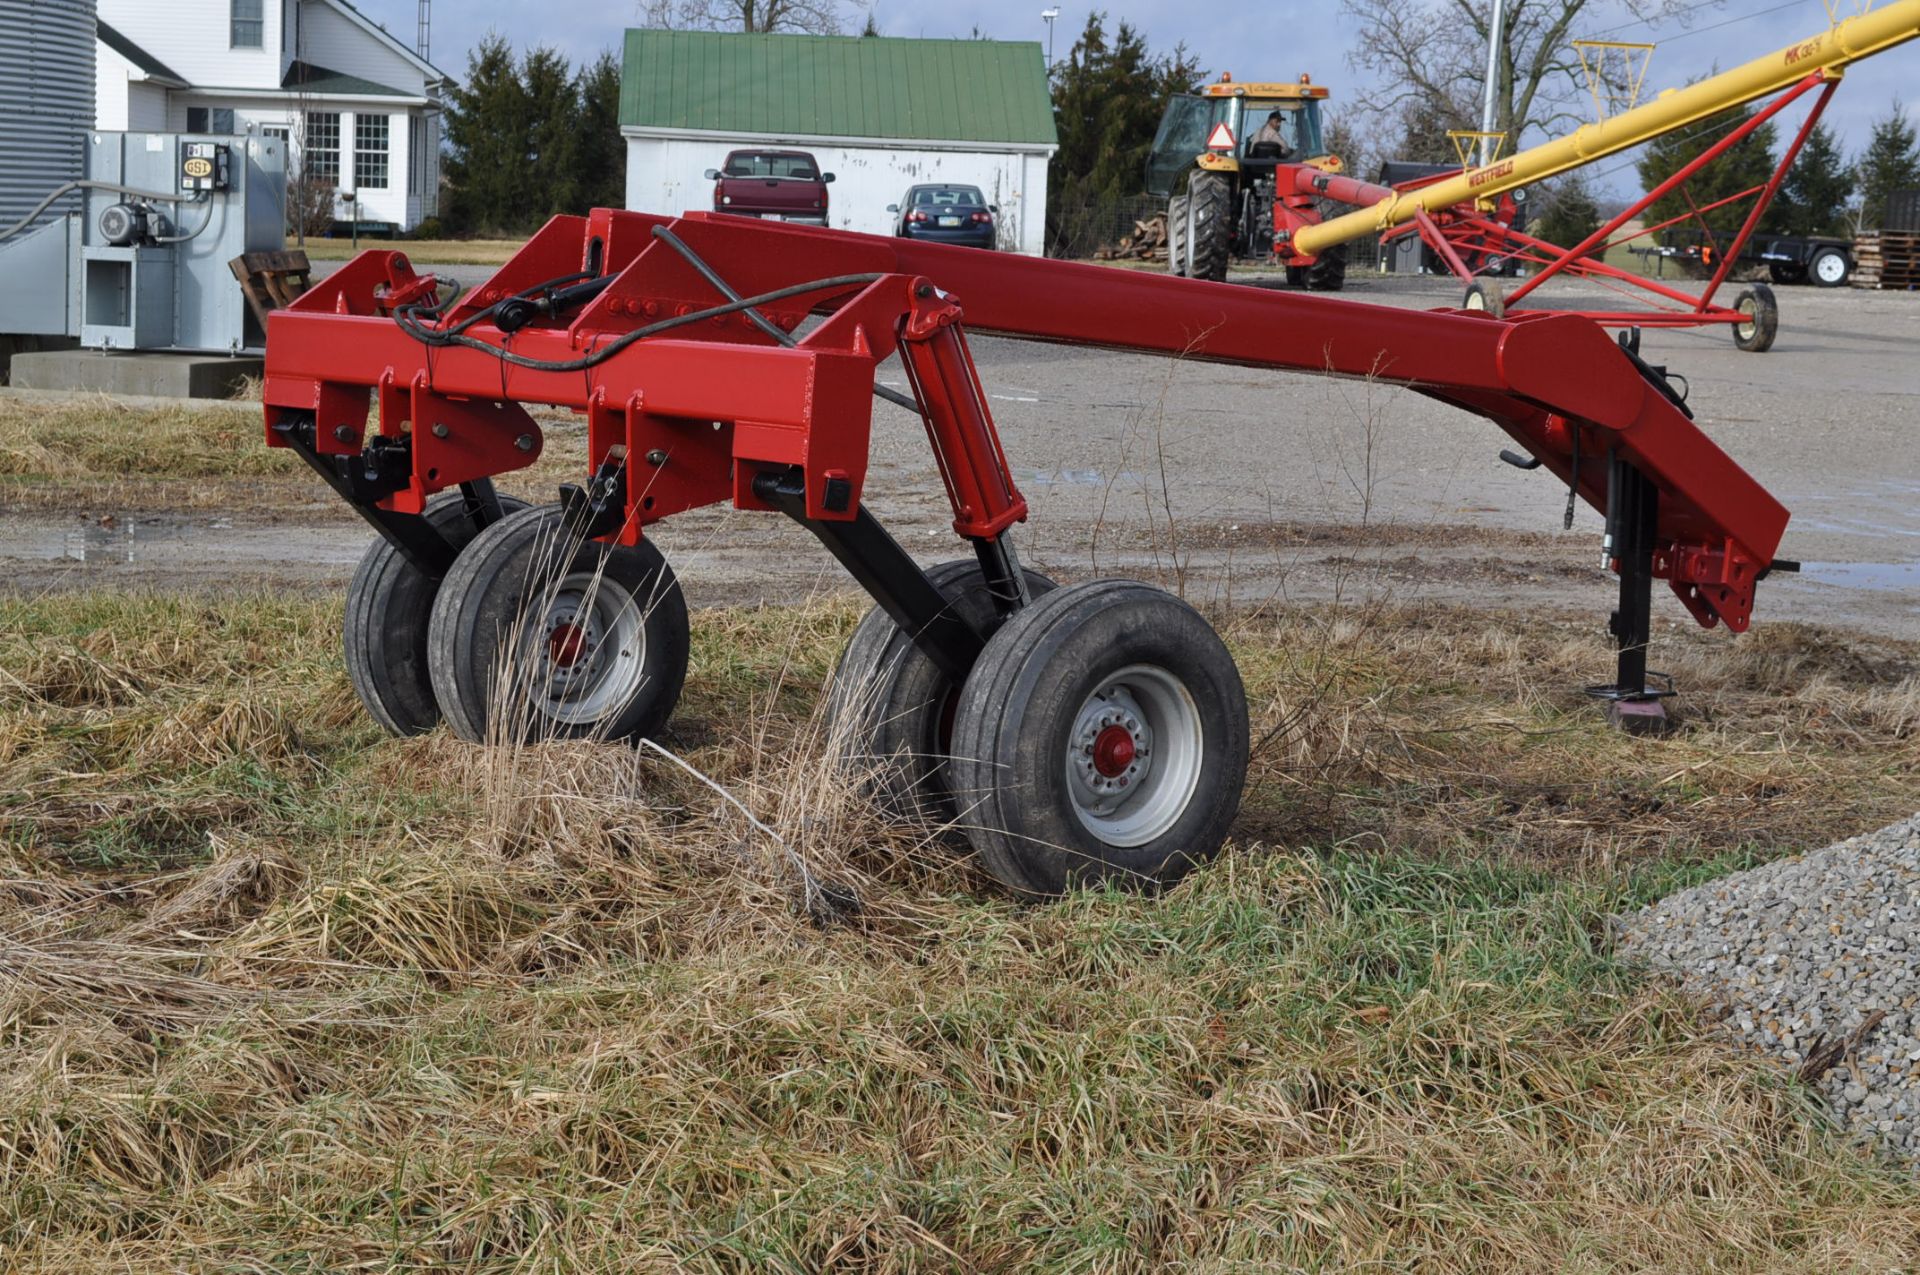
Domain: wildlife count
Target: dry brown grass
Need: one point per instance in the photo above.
(277, 993)
(97, 454)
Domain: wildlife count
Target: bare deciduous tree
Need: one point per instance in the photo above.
(806, 17)
(1431, 56)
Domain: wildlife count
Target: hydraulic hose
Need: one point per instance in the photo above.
(67, 188)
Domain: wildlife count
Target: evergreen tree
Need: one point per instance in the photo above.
(487, 125)
(1814, 197)
(1107, 102)
(1891, 162)
(1746, 165)
(1569, 212)
(554, 143)
(602, 152)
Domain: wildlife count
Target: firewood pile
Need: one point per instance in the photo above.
(1148, 242)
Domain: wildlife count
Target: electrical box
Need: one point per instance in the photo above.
(203, 166)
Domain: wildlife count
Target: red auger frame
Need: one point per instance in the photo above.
(721, 399)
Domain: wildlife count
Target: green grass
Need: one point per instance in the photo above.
(282, 994)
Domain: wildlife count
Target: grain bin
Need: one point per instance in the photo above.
(46, 100)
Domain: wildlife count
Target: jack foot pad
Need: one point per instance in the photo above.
(1639, 716)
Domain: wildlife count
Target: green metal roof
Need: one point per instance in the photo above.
(837, 86)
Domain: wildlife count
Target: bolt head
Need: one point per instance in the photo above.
(345, 433)
(440, 429)
(524, 442)
(656, 457)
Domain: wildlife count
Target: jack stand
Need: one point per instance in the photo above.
(1633, 520)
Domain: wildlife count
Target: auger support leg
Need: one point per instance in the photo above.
(1633, 520)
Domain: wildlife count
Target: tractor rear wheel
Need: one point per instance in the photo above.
(1328, 273)
(1177, 235)
(1762, 323)
(890, 708)
(385, 634)
(538, 635)
(1102, 737)
(1210, 214)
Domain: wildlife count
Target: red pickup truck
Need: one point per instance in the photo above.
(786, 185)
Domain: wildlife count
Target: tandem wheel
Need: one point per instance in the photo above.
(536, 634)
(385, 634)
(890, 708)
(1487, 295)
(1102, 737)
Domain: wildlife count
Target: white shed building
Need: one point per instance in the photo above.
(880, 114)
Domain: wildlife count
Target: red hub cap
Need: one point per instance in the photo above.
(1113, 751)
(566, 644)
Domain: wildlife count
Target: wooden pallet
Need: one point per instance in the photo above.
(271, 280)
(1887, 259)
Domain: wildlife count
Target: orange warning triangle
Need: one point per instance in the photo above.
(1221, 139)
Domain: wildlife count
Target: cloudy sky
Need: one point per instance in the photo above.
(1247, 39)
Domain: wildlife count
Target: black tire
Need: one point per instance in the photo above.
(1829, 268)
(384, 638)
(1210, 197)
(1296, 277)
(1756, 335)
(1784, 273)
(524, 601)
(1032, 758)
(890, 708)
(1488, 295)
(1328, 273)
(1177, 235)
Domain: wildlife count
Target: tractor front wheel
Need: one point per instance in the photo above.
(1761, 322)
(1210, 226)
(1102, 737)
(890, 708)
(539, 635)
(1177, 263)
(1328, 273)
(384, 638)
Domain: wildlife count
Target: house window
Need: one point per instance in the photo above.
(201, 119)
(370, 152)
(320, 149)
(249, 24)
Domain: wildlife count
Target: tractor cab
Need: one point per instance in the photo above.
(1214, 128)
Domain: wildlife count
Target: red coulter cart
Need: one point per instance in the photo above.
(1076, 733)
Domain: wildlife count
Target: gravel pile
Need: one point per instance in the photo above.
(1806, 953)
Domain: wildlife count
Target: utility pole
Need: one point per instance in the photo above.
(1493, 78)
(423, 40)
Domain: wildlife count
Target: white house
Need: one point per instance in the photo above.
(880, 114)
(358, 107)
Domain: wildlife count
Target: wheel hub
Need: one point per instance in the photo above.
(1133, 755)
(1113, 751)
(566, 644)
(1113, 745)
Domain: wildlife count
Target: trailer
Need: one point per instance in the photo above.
(1093, 732)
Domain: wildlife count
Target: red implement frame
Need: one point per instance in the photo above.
(733, 405)
(1462, 235)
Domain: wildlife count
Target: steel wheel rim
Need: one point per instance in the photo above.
(1131, 792)
(1748, 306)
(1830, 268)
(587, 650)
